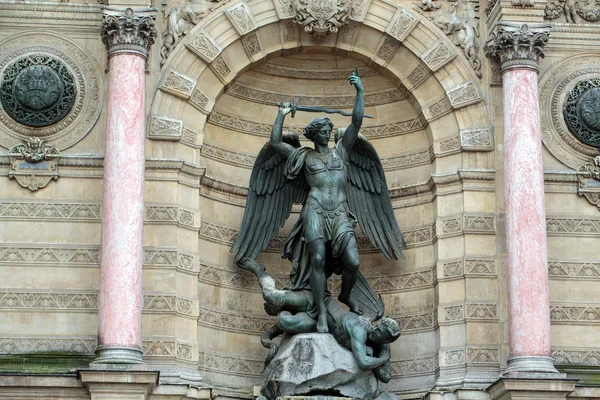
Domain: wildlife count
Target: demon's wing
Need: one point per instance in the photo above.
(269, 202)
(369, 199)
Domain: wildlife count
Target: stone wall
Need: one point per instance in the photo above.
(212, 86)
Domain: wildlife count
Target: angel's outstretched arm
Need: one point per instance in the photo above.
(357, 113)
(276, 141)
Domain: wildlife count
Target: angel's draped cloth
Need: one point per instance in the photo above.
(335, 228)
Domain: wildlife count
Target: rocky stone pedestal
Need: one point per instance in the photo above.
(315, 366)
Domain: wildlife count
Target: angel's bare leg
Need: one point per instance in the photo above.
(294, 301)
(351, 263)
(316, 250)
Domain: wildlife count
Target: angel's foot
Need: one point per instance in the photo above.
(352, 305)
(251, 265)
(322, 324)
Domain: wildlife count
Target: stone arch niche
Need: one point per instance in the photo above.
(214, 107)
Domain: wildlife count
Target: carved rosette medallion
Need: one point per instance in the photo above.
(50, 88)
(518, 45)
(128, 31)
(582, 111)
(37, 90)
(322, 17)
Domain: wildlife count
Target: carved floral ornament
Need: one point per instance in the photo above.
(518, 46)
(128, 30)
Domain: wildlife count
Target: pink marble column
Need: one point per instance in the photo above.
(120, 299)
(519, 48)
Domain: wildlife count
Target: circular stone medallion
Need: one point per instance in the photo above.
(37, 90)
(582, 111)
(50, 88)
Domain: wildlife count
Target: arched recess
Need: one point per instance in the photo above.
(448, 104)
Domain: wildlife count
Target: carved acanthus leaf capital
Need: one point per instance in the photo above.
(128, 30)
(518, 45)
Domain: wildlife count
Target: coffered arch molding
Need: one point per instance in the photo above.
(220, 48)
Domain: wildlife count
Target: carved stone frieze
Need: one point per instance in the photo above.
(189, 137)
(270, 98)
(284, 9)
(408, 160)
(517, 45)
(160, 214)
(128, 31)
(241, 18)
(49, 255)
(401, 25)
(227, 320)
(63, 301)
(184, 351)
(178, 84)
(418, 75)
(481, 311)
(158, 348)
(453, 269)
(417, 322)
(359, 9)
(454, 357)
(464, 95)
(228, 156)
(348, 35)
(449, 146)
(454, 313)
(451, 225)
(476, 139)
(23, 345)
(200, 101)
(574, 314)
(479, 224)
(180, 18)
(391, 283)
(574, 269)
(573, 226)
(438, 55)
(414, 367)
(483, 355)
(52, 211)
(68, 84)
(204, 46)
(437, 109)
(164, 128)
(264, 129)
(251, 45)
(388, 48)
(231, 364)
(281, 71)
(480, 267)
(221, 68)
(578, 357)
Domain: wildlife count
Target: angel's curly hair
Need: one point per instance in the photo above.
(392, 327)
(315, 125)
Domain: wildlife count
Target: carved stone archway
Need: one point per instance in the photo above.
(449, 113)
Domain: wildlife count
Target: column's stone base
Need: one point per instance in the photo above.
(531, 364)
(110, 357)
(119, 385)
(523, 386)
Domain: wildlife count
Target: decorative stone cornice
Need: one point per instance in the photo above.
(128, 31)
(518, 46)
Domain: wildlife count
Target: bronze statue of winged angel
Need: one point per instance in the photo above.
(337, 187)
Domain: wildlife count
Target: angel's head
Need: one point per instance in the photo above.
(387, 331)
(319, 130)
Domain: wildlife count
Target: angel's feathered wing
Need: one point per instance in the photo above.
(270, 199)
(369, 198)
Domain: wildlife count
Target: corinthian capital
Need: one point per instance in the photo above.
(128, 30)
(518, 45)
